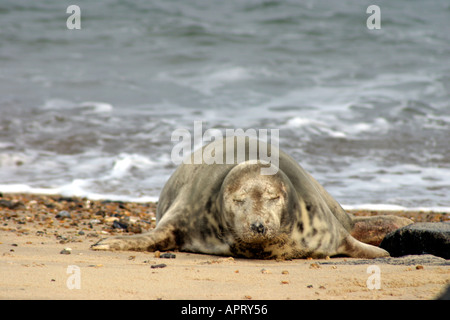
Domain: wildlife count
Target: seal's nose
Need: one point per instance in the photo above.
(258, 227)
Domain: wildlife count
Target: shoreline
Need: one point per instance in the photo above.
(36, 229)
(22, 189)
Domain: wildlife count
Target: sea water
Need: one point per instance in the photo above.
(90, 112)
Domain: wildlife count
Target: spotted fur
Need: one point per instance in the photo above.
(232, 210)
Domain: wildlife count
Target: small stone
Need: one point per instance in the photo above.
(167, 255)
(309, 286)
(120, 225)
(155, 266)
(284, 272)
(157, 254)
(10, 204)
(419, 267)
(63, 215)
(95, 265)
(284, 282)
(314, 266)
(66, 251)
(265, 271)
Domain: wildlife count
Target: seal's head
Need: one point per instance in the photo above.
(254, 204)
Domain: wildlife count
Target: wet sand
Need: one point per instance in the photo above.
(36, 230)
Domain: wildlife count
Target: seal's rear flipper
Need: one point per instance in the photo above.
(356, 249)
(158, 239)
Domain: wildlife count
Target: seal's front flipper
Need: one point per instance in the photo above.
(159, 239)
(356, 249)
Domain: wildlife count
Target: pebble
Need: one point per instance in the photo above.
(167, 255)
(120, 225)
(63, 215)
(314, 266)
(161, 265)
(66, 251)
(265, 271)
(11, 204)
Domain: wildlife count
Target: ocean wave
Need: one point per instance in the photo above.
(74, 189)
(209, 79)
(339, 129)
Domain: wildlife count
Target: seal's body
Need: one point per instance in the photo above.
(234, 210)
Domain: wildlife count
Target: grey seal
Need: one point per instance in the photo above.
(234, 210)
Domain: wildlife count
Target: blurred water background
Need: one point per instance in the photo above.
(90, 112)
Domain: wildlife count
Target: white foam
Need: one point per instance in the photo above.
(125, 162)
(97, 107)
(89, 106)
(228, 75)
(74, 189)
(393, 207)
(314, 126)
(13, 159)
(207, 80)
(57, 104)
(298, 122)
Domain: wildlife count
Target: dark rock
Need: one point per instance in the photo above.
(67, 199)
(445, 295)
(155, 266)
(419, 238)
(167, 255)
(11, 204)
(120, 225)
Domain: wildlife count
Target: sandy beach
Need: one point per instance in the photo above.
(44, 248)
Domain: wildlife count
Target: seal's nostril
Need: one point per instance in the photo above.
(258, 228)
